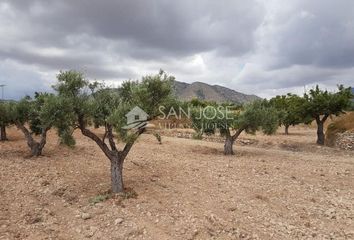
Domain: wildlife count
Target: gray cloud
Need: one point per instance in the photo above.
(177, 27)
(253, 46)
(21, 83)
(317, 33)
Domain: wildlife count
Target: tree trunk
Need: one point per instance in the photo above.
(3, 133)
(115, 156)
(36, 147)
(36, 150)
(117, 175)
(320, 134)
(228, 147)
(286, 129)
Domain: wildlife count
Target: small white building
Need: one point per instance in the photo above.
(136, 115)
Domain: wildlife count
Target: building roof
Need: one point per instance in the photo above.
(137, 111)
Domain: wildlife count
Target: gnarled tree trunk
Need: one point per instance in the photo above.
(286, 129)
(117, 175)
(115, 156)
(3, 136)
(228, 146)
(320, 134)
(36, 147)
(230, 140)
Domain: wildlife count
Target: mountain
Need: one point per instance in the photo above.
(203, 91)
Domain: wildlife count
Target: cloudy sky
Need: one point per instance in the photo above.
(264, 47)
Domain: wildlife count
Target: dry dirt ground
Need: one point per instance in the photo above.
(282, 187)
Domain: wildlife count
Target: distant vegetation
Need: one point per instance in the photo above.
(254, 116)
(290, 110)
(321, 104)
(317, 105)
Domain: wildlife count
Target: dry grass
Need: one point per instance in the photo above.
(338, 125)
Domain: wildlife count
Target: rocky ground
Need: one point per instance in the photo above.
(278, 187)
(345, 140)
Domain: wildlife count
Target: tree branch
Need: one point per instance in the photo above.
(129, 145)
(324, 118)
(44, 137)
(105, 133)
(28, 135)
(238, 132)
(110, 138)
(87, 133)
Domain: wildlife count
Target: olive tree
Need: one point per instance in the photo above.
(290, 108)
(6, 118)
(254, 116)
(321, 104)
(36, 116)
(93, 104)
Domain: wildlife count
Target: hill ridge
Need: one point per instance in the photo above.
(204, 91)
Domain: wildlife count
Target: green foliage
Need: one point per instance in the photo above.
(66, 137)
(255, 116)
(71, 83)
(94, 104)
(43, 112)
(203, 121)
(149, 93)
(127, 89)
(252, 117)
(290, 109)
(6, 113)
(73, 87)
(104, 107)
(269, 123)
(118, 120)
(100, 107)
(196, 102)
(322, 102)
(22, 110)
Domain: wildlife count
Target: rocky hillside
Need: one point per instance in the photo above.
(203, 91)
